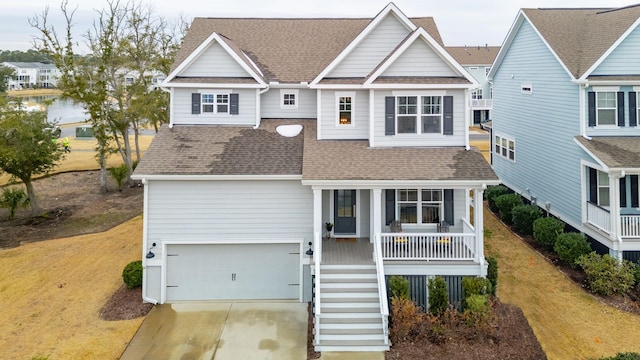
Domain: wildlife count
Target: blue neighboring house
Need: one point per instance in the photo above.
(565, 130)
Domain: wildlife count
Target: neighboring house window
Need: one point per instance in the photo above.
(606, 108)
(420, 206)
(487, 70)
(476, 94)
(603, 189)
(505, 147)
(289, 99)
(128, 80)
(345, 102)
(211, 103)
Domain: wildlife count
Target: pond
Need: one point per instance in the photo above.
(62, 111)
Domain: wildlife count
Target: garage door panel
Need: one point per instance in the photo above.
(232, 271)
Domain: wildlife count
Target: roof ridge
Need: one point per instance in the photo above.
(619, 9)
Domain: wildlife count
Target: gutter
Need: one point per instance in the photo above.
(258, 110)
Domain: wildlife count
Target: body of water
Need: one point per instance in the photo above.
(62, 111)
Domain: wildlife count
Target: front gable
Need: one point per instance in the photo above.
(214, 61)
(622, 59)
(419, 59)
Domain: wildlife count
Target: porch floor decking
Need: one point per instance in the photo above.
(347, 252)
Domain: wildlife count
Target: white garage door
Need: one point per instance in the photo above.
(233, 271)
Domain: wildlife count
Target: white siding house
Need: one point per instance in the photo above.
(310, 158)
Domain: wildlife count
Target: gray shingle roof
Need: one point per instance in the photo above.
(581, 36)
(615, 152)
(234, 150)
(473, 55)
(286, 50)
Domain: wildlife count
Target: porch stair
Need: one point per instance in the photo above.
(350, 317)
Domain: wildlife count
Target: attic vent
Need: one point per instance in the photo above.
(289, 130)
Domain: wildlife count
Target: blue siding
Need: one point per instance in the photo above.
(624, 59)
(542, 124)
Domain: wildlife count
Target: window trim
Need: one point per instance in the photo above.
(419, 203)
(215, 102)
(507, 152)
(344, 94)
(283, 95)
(614, 108)
(419, 112)
(600, 186)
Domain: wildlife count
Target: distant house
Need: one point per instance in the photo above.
(477, 61)
(32, 75)
(308, 160)
(565, 128)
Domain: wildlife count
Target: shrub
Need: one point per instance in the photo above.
(132, 274)
(570, 246)
(505, 204)
(12, 199)
(405, 318)
(477, 310)
(523, 217)
(119, 174)
(606, 275)
(636, 273)
(492, 274)
(623, 356)
(438, 296)
(399, 287)
(474, 286)
(491, 193)
(546, 231)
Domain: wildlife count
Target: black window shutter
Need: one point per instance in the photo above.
(634, 190)
(623, 193)
(195, 103)
(448, 206)
(591, 100)
(633, 110)
(389, 115)
(448, 115)
(593, 185)
(620, 108)
(390, 206)
(233, 104)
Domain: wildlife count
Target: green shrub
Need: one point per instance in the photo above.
(12, 199)
(474, 286)
(119, 174)
(438, 296)
(491, 193)
(492, 273)
(606, 275)
(477, 310)
(523, 217)
(505, 204)
(132, 274)
(636, 273)
(570, 246)
(399, 287)
(546, 231)
(623, 356)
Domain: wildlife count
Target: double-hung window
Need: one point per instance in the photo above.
(420, 206)
(419, 114)
(505, 147)
(603, 189)
(432, 114)
(345, 103)
(407, 114)
(606, 107)
(215, 103)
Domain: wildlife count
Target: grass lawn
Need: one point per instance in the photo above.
(568, 322)
(51, 293)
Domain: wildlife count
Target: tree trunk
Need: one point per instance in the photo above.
(137, 139)
(33, 201)
(102, 161)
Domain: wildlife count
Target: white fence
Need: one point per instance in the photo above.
(428, 246)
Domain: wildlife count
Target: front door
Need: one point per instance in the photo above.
(345, 211)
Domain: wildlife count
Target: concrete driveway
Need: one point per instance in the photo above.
(222, 331)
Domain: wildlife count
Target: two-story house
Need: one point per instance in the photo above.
(477, 61)
(565, 129)
(32, 74)
(309, 159)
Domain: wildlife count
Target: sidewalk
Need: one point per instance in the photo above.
(568, 322)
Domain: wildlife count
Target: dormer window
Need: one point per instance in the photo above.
(215, 103)
(345, 108)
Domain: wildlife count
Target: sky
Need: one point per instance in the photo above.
(461, 22)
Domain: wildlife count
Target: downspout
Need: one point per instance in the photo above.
(145, 247)
(582, 88)
(467, 118)
(258, 110)
(170, 106)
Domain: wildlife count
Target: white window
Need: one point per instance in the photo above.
(419, 206)
(526, 89)
(289, 99)
(505, 147)
(214, 103)
(345, 102)
(603, 189)
(419, 114)
(606, 108)
(486, 70)
(476, 94)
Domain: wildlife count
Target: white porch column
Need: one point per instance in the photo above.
(317, 212)
(614, 213)
(478, 223)
(377, 212)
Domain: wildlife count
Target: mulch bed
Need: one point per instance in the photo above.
(125, 304)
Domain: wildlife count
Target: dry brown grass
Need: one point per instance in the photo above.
(568, 322)
(484, 147)
(51, 293)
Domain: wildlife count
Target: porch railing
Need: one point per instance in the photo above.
(382, 288)
(428, 246)
(630, 226)
(484, 103)
(599, 217)
(317, 258)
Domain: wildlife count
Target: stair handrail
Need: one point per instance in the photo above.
(382, 286)
(317, 258)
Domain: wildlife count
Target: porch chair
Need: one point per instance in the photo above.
(396, 227)
(443, 227)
